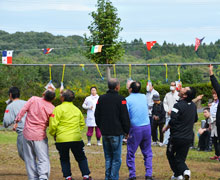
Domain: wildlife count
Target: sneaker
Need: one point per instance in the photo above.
(69, 178)
(214, 157)
(89, 178)
(148, 178)
(154, 143)
(131, 178)
(99, 144)
(160, 144)
(89, 144)
(177, 178)
(186, 174)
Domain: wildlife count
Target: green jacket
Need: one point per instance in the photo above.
(66, 123)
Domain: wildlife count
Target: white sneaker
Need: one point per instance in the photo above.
(177, 178)
(99, 144)
(187, 174)
(160, 144)
(89, 144)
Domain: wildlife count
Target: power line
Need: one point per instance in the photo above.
(122, 44)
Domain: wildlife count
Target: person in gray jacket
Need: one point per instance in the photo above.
(12, 110)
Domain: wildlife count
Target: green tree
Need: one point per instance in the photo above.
(105, 30)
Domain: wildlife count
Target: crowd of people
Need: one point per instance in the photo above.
(135, 118)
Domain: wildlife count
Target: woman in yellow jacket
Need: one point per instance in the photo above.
(65, 125)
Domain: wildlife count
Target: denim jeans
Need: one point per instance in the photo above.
(112, 146)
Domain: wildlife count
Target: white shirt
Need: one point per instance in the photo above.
(150, 101)
(89, 102)
(169, 100)
(213, 108)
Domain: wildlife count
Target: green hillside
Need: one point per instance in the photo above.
(28, 49)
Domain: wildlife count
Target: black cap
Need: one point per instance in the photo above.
(156, 97)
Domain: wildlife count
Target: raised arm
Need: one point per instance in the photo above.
(214, 81)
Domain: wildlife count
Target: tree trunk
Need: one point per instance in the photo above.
(108, 73)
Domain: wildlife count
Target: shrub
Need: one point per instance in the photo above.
(201, 88)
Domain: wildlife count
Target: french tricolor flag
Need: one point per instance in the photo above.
(7, 57)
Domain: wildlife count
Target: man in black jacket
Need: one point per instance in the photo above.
(111, 116)
(216, 86)
(183, 117)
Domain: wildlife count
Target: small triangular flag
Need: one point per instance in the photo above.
(47, 50)
(198, 42)
(150, 44)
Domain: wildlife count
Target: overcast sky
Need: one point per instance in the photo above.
(176, 21)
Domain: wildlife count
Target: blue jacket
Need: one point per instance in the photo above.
(138, 109)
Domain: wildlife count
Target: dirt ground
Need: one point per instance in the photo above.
(11, 167)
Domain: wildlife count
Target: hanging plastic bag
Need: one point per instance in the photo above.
(178, 85)
(50, 86)
(61, 88)
(129, 81)
(149, 85)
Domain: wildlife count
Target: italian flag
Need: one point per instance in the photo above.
(96, 49)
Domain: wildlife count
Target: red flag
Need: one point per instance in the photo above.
(150, 44)
(198, 42)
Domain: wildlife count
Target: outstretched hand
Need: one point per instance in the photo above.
(164, 129)
(211, 70)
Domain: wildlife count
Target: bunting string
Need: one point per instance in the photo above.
(83, 66)
(148, 76)
(50, 65)
(129, 71)
(114, 69)
(63, 72)
(179, 72)
(166, 72)
(99, 72)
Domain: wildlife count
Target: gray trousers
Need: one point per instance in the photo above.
(20, 145)
(36, 157)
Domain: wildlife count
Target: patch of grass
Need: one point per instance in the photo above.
(8, 137)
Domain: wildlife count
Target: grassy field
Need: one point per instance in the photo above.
(11, 167)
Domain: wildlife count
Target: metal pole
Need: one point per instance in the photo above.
(110, 65)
